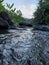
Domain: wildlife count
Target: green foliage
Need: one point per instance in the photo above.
(16, 18)
(10, 6)
(42, 12)
(47, 19)
(2, 8)
(19, 13)
(1, 1)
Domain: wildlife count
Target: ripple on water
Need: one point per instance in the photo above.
(24, 47)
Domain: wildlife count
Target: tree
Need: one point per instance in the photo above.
(19, 12)
(1, 1)
(41, 12)
(10, 7)
(11, 11)
(1, 6)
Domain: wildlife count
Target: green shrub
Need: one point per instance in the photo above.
(47, 19)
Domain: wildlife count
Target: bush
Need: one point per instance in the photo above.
(47, 19)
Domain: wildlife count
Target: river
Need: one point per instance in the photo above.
(24, 47)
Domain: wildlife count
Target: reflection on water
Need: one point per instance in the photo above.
(24, 47)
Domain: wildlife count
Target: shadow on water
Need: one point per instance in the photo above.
(3, 31)
(7, 31)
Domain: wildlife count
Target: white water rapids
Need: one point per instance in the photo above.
(24, 47)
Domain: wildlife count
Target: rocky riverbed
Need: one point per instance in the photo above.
(24, 47)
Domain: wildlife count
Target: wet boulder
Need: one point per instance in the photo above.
(3, 24)
(41, 27)
(6, 21)
(25, 24)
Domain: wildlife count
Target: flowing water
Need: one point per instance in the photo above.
(24, 47)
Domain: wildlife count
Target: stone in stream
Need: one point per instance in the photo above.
(3, 24)
(25, 24)
(41, 27)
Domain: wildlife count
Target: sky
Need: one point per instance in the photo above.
(27, 7)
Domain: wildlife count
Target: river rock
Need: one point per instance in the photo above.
(41, 27)
(6, 21)
(25, 24)
(3, 24)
